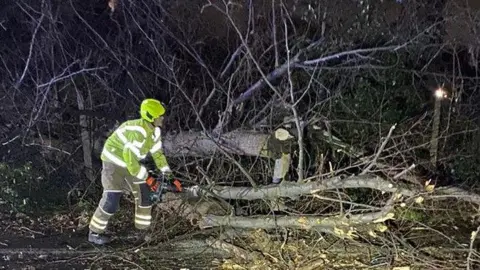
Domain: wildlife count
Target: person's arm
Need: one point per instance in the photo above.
(158, 156)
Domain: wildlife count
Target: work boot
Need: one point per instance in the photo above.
(98, 239)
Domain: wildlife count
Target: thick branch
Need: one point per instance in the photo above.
(341, 226)
(458, 193)
(294, 189)
(260, 84)
(352, 52)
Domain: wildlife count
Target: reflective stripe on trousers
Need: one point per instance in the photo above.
(116, 180)
(107, 206)
(143, 206)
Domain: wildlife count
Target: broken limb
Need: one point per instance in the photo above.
(295, 189)
(342, 226)
(458, 193)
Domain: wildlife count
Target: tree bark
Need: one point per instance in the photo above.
(295, 189)
(85, 137)
(341, 226)
(197, 144)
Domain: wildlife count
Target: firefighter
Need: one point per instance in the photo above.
(122, 170)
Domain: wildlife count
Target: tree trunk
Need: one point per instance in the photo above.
(197, 144)
(85, 137)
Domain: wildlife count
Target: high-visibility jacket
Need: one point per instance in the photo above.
(130, 143)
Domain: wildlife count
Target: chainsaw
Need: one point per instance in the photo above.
(164, 185)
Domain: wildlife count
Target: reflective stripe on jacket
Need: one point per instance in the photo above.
(131, 143)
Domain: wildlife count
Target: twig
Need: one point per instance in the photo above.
(458, 193)
(11, 140)
(380, 150)
(274, 33)
(204, 174)
(232, 59)
(234, 250)
(30, 52)
(295, 112)
(470, 252)
(250, 179)
(260, 84)
(49, 147)
(398, 175)
(64, 77)
(351, 52)
(30, 230)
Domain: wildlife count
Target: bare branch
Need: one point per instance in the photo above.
(341, 226)
(62, 77)
(380, 150)
(235, 54)
(30, 51)
(295, 189)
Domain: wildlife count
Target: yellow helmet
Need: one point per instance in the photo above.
(151, 109)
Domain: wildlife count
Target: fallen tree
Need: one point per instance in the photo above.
(345, 224)
(199, 144)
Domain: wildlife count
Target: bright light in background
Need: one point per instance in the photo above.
(440, 93)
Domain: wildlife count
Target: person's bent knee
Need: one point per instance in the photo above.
(112, 202)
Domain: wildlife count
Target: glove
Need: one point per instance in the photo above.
(152, 183)
(177, 186)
